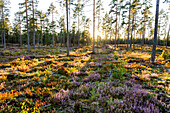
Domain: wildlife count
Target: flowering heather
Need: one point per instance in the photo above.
(92, 77)
(116, 99)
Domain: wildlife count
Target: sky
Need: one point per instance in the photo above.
(44, 5)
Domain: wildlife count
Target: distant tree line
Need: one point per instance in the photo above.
(128, 22)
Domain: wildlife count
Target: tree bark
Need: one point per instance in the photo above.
(128, 27)
(143, 36)
(61, 38)
(33, 24)
(93, 26)
(73, 38)
(28, 39)
(167, 37)
(64, 41)
(53, 29)
(69, 24)
(20, 32)
(132, 32)
(2, 30)
(67, 29)
(78, 32)
(158, 35)
(41, 34)
(37, 34)
(116, 29)
(3, 27)
(98, 27)
(155, 32)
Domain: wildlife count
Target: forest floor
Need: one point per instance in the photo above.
(46, 80)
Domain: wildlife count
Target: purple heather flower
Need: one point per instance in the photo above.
(5, 60)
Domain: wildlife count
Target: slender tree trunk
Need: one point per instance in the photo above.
(37, 34)
(98, 27)
(20, 31)
(33, 24)
(78, 32)
(3, 27)
(164, 37)
(28, 39)
(167, 37)
(132, 32)
(61, 38)
(53, 29)
(116, 29)
(110, 36)
(2, 30)
(38, 38)
(64, 41)
(143, 36)
(67, 29)
(94, 26)
(69, 24)
(73, 38)
(98, 34)
(41, 34)
(128, 27)
(155, 32)
(158, 35)
(20, 35)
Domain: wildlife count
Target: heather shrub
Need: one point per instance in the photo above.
(92, 77)
(105, 97)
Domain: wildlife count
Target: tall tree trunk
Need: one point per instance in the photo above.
(37, 34)
(93, 26)
(67, 29)
(64, 42)
(116, 29)
(28, 39)
(98, 31)
(61, 38)
(2, 30)
(158, 35)
(167, 37)
(69, 24)
(110, 36)
(164, 37)
(128, 26)
(155, 32)
(33, 24)
(73, 38)
(78, 32)
(98, 27)
(41, 34)
(143, 36)
(20, 31)
(38, 38)
(132, 32)
(3, 27)
(20, 35)
(53, 29)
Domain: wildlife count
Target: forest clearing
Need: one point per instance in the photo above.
(113, 58)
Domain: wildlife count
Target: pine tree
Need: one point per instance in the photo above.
(155, 32)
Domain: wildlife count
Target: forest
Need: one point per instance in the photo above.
(85, 56)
